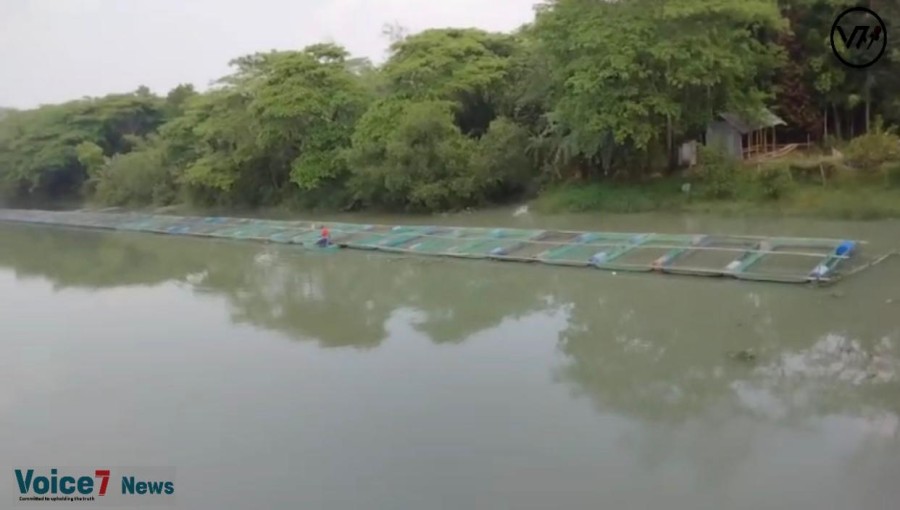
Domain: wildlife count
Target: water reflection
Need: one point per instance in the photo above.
(339, 300)
(649, 348)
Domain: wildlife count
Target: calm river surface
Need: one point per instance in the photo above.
(270, 377)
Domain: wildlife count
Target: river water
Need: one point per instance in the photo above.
(271, 377)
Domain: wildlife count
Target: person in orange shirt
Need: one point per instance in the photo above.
(325, 238)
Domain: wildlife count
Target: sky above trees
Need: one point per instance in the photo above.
(52, 51)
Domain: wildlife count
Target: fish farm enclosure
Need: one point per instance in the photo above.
(777, 259)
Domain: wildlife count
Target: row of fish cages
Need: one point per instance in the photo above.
(775, 259)
(759, 258)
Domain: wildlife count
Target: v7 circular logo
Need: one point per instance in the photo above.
(858, 37)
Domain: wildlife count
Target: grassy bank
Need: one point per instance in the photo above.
(804, 184)
(851, 201)
(839, 198)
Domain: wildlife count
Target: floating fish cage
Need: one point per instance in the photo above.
(778, 259)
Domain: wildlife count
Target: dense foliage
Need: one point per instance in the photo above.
(460, 117)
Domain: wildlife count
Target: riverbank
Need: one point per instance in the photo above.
(839, 199)
(861, 203)
(799, 192)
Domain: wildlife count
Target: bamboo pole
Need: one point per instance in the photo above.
(875, 262)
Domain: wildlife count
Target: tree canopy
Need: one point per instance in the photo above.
(457, 117)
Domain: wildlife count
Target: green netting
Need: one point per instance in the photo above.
(225, 232)
(386, 238)
(643, 257)
(439, 244)
(367, 240)
(713, 254)
(773, 259)
(283, 236)
(516, 234)
(579, 251)
(479, 243)
(395, 240)
(505, 248)
(256, 231)
(614, 247)
(140, 225)
(205, 228)
(308, 237)
(575, 253)
(486, 247)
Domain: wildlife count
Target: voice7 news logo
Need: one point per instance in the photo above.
(858, 37)
(88, 485)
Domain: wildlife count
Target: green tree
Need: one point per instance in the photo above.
(38, 148)
(138, 178)
(466, 66)
(458, 116)
(274, 128)
(177, 99)
(90, 156)
(501, 164)
(633, 75)
(411, 154)
(307, 105)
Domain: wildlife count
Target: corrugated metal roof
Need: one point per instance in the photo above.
(766, 119)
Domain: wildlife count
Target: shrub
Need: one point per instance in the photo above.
(718, 173)
(774, 181)
(412, 155)
(136, 178)
(501, 161)
(872, 150)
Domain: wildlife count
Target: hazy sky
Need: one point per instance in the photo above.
(55, 50)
